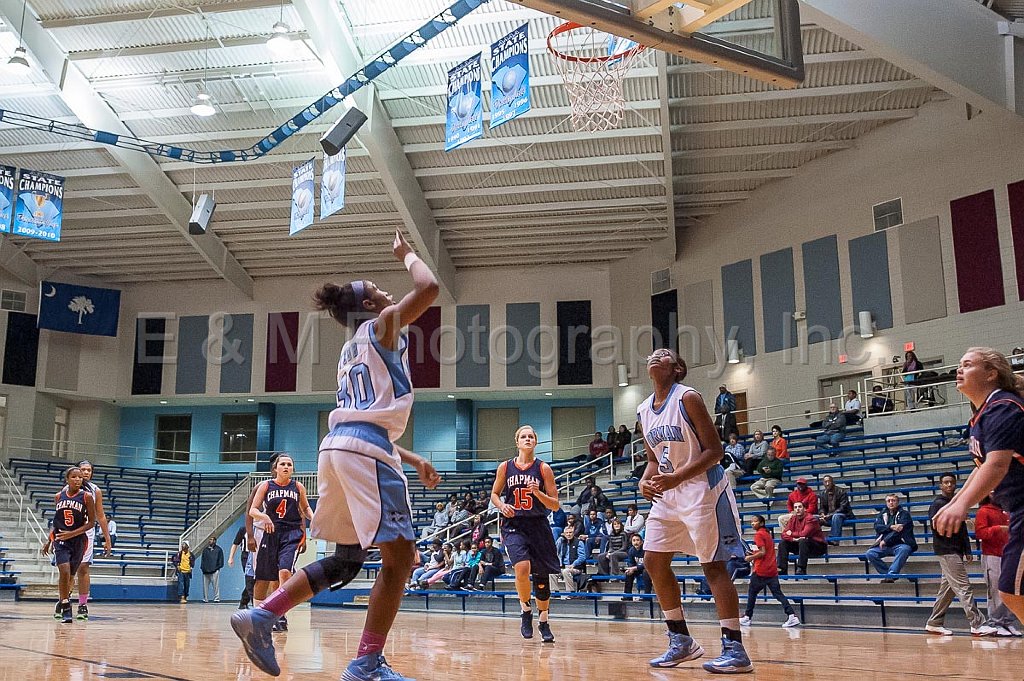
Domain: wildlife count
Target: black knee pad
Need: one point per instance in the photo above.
(541, 588)
(334, 572)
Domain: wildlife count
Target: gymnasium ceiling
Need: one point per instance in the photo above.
(530, 186)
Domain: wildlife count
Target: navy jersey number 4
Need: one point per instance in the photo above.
(355, 389)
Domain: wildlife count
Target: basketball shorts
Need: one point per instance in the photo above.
(90, 545)
(362, 500)
(1011, 571)
(277, 551)
(71, 551)
(699, 519)
(530, 539)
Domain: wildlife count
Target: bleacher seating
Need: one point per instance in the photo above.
(908, 463)
(152, 507)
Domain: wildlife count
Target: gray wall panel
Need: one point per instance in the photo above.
(190, 378)
(822, 295)
(778, 300)
(698, 317)
(522, 344)
(236, 374)
(924, 285)
(869, 278)
(473, 368)
(738, 304)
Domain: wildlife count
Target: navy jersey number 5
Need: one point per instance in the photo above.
(355, 389)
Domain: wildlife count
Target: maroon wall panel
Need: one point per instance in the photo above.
(424, 353)
(282, 351)
(979, 271)
(1016, 192)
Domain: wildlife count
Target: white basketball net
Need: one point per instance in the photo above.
(593, 64)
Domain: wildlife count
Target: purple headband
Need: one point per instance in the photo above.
(359, 289)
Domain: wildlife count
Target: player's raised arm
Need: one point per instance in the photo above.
(414, 303)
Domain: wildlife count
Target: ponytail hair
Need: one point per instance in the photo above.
(342, 302)
(1005, 378)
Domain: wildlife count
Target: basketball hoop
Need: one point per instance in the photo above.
(593, 64)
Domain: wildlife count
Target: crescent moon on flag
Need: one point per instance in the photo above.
(53, 291)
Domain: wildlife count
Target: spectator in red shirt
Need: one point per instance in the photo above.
(803, 537)
(765, 574)
(779, 443)
(802, 494)
(992, 527)
(598, 447)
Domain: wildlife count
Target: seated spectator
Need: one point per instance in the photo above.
(732, 458)
(483, 502)
(615, 550)
(112, 529)
(622, 440)
(583, 500)
(779, 444)
(755, 453)
(634, 522)
(572, 520)
(851, 408)
(611, 438)
(556, 519)
(573, 559)
(895, 537)
(635, 572)
(833, 428)
(459, 518)
(598, 447)
(802, 494)
(460, 566)
(452, 506)
(436, 574)
(434, 562)
(1017, 359)
(834, 509)
(440, 521)
(490, 565)
(770, 470)
(765, 573)
(593, 534)
(609, 517)
(803, 537)
(598, 500)
(478, 531)
(880, 402)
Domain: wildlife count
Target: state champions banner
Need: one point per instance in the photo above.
(510, 76)
(302, 197)
(8, 176)
(332, 184)
(40, 205)
(465, 114)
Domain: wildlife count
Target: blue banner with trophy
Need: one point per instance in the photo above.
(40, 205)
(465, 114)
(78, 309)
(510, 76)
(302, 197)
(332, 184)
(8, 176)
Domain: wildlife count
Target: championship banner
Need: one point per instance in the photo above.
(7, 178)
(510, 77)
(332, 185)
(78, 309)
(465, 119)
(40, 205)
(302, 197)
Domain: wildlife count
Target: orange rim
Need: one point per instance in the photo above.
(572, 26)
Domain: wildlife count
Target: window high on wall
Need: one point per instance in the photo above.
(888, 214)
(238, 438)
(173, 438)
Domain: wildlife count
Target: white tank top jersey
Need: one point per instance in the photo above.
(374, 396)
(671, 435)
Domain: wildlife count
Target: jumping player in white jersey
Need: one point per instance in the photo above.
(693, 512)
(364, 497)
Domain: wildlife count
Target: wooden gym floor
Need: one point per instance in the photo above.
(194, 642)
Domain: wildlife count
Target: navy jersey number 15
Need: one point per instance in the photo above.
(355, 388)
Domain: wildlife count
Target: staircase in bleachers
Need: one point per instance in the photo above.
(152, 508)
(838, 588)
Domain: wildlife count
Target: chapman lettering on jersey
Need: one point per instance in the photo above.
(665, 434)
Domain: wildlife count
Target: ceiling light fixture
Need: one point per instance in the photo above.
(19, 62)
(202, 105)
(279, 40)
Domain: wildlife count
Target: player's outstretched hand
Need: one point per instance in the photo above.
(428, 475)
(400, 247)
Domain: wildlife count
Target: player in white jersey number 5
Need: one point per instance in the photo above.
(693, 511)
(364, 498)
